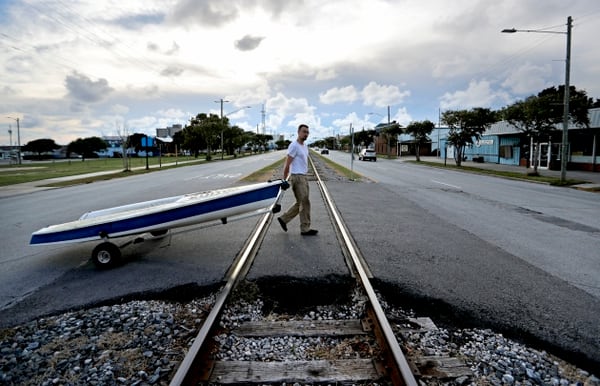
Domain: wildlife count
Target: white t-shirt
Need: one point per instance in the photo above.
(299, 153)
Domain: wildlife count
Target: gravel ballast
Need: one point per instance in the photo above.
(142, 343)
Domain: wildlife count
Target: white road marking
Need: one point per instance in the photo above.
(442, 183)
(219, 176)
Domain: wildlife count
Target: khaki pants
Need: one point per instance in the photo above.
(302, 206)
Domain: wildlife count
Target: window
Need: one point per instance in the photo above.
(506, 151)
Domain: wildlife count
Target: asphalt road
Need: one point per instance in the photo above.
(25, 269)
(520, 257)
(553, 228)
(515, 256)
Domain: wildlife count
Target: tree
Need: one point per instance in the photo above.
(86, 147)
(420, 132)
(123, 133)
(41, 146)
(393, 130)
(283, 144)
(204, 131)
(365, 138)
(579, 104)
(538, 116)
(234, 139)
(135, 141)
(178, 139)
(262, 140)
(193, 140)
(465, 127)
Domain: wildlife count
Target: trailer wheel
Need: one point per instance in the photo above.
(106, 255)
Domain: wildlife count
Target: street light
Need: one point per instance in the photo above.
(235, 111)
(565, 130)
(18, 140)
(222, 101)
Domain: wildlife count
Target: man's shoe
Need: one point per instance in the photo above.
(282, 223)
(310, 232)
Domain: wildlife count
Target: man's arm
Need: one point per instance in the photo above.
(286, 168)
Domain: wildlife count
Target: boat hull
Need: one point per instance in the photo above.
(161, 214)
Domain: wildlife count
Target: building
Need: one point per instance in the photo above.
(114, 147)
(168, 131)
(505, 144)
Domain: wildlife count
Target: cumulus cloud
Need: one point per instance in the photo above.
(173, 113)
(346, 94)
(478, 94)
(528, 79)
(84, 90)
(374, 94)
(248, 43)
(295, 110)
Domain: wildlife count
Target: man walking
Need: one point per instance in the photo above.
(296, 167)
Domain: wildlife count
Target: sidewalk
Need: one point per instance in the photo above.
(593, 179)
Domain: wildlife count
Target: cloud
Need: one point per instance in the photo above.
(172, 71)
(326, 74)
(293, 110)
(374, 94)
(478, 94)
(528, 79)
(347, 94)
(119, 109)
(173, 50)
(154, 47)
(211, 13)
(83, 90)
(139, 20)
(248, 43)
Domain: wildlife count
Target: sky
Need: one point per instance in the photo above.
(73, 69)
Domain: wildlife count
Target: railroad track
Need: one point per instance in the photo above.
(376, 356)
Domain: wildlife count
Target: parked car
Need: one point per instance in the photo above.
(325, 151)
(367, 155)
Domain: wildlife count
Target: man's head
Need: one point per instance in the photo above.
(302, 132)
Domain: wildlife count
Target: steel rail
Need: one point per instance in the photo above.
(182, 375)
(401, 364)
(401, 373)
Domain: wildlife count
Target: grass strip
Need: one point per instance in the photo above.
(501, 173)
(36, 171)
(267, 173)
(341, 170)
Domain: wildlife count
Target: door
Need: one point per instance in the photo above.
(542, 154)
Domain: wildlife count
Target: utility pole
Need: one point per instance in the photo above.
(565, 133)
(263, 112)
(18, 140)
(388, 135)
(567, 97)
(222, 129)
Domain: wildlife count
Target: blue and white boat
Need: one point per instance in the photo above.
(161, 214)
(158, 216)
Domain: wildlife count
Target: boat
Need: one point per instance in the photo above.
(160, 215)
